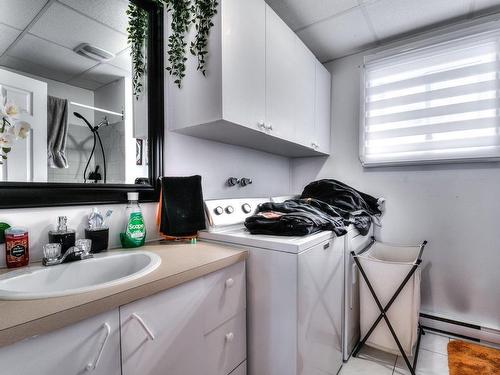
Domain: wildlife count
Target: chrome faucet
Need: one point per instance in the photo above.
(52, 253)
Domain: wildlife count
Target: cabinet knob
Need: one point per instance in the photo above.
(229, 337)
(229, 283)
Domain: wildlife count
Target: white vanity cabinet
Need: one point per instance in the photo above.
(261, 90)
(196, 328)
(90, 346)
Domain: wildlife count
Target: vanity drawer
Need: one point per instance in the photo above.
(225, 347)
(226, 295)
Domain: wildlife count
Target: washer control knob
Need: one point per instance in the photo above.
(246, 208)
(229, 209)
(218, 210)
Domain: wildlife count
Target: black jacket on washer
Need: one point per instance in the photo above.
(324, 205)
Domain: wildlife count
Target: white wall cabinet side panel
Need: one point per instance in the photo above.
(321, 280)
(243, 61)
(68, 351)
(323, 107)
(172, 317)
(305, 92)
(280, 76)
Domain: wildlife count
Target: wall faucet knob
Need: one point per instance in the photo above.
(245, 181)
(232, 181)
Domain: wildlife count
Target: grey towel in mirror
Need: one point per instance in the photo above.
(57, 130)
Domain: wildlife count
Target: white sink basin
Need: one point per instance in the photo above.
(102, 271)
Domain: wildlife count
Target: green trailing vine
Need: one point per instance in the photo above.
(179, 26)
(184, 13)
(137, 33)
(203, 12)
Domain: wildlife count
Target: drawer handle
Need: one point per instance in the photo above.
(229, 283)
(229, 337)
(146, 329)
(91, 366)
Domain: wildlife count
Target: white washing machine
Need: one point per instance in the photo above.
(295, 293)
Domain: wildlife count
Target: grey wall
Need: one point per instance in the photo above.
(215, 162)
(454, 206)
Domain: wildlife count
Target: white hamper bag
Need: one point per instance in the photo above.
(386, 266)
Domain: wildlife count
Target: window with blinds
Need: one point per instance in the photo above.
(434, 104)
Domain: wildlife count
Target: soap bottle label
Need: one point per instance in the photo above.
(135, 227)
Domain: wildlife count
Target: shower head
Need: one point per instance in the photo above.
(85, 120)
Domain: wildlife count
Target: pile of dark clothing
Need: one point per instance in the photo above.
(324, 205)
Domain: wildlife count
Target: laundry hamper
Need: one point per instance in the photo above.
(390, 297)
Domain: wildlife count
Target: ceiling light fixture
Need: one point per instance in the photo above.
(93, 52)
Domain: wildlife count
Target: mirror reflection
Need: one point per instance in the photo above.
(67, 108)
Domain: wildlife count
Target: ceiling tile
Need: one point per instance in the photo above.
(394, 17)
(84, 83)
(300, 13)
(19, 13)
(109, 12)
(66, 27)
(62, 62)
(336, 36)
(9, 34)
(123, 61)
(104, 73)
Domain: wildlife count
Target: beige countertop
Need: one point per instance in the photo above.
(180, 262)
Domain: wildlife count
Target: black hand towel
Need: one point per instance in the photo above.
(182, 212)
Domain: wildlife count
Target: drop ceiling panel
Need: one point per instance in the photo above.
(19, 13)
(109, 12)
(336, 36)
(9, 34)
(300, 13)
(61, 62)
(84, 83)
(123, 61)
(394, 17)
(66, 27)
(104, 74)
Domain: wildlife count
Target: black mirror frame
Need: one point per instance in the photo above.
(46, 194)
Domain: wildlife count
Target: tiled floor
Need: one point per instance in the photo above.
(432, 360)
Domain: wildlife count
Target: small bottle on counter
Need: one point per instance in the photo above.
(16, 247)
(66, 237)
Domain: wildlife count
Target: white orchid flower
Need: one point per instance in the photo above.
(6, 140)
(21, 129)
(10, 109)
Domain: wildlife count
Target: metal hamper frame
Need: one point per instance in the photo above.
(384, 309)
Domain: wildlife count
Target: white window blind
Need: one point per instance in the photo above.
(434, 104)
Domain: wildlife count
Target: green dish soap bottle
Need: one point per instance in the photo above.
(135, 232)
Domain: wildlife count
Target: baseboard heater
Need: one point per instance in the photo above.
(459, 329)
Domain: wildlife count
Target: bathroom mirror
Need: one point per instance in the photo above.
(74, 130)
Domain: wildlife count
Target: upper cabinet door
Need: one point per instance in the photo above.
(244, 61)
(305, 75)
(323, 108)
(281, 73)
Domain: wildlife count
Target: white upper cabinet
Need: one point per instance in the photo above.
(281, 69)
(322, 117)
(244, 62)
(260, 90)
(304, 94)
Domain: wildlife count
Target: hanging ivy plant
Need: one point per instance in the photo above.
(137, 32)
(203, 11)
(179, 26)
(184, 13)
